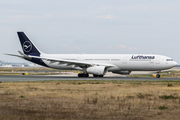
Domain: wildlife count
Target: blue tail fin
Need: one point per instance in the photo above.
(28, 47)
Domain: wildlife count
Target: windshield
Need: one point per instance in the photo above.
(169, 59)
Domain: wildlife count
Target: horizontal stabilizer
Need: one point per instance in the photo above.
(15, 55)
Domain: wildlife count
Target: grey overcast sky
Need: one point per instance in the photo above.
(92, 26)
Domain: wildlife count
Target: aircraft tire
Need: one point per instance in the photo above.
(158, 76)
(100, 75)
(95, 75)
(83, 75)
(87, 75)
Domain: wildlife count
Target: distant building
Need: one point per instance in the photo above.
(10, 64)
(6, 66)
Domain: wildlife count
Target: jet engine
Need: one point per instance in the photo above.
(122, 72)
(97, 70)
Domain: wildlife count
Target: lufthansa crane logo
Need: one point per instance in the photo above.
(27, 46)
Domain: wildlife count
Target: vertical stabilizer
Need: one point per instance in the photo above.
(28, 47)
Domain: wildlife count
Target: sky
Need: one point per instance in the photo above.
(92, 26)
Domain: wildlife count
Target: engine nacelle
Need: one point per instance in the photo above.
(122, 72)
(97, 70)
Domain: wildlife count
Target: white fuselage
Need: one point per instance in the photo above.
(121, 62)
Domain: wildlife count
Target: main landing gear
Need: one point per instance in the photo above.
(158, 74)
(83, 75)
(97, 75)
(87, 75)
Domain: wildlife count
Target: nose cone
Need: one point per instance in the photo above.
(174, 64)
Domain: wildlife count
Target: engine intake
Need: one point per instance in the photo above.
(97, 70)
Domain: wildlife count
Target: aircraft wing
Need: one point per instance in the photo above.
(71, 62)
(63, 61)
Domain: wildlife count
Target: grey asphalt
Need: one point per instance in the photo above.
(15, 78)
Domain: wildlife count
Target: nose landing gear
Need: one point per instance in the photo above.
(158, 74)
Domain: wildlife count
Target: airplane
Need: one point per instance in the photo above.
(96, 64)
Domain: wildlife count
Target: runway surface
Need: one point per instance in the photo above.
(15, 78)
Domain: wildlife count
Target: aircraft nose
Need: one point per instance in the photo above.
(174, 63)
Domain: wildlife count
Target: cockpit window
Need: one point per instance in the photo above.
(169, 59)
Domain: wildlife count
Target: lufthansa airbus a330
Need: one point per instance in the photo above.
(96, 64)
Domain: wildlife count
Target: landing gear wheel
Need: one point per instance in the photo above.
(83, 75)
(158, 76)
(97, 75)
(100, 75)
